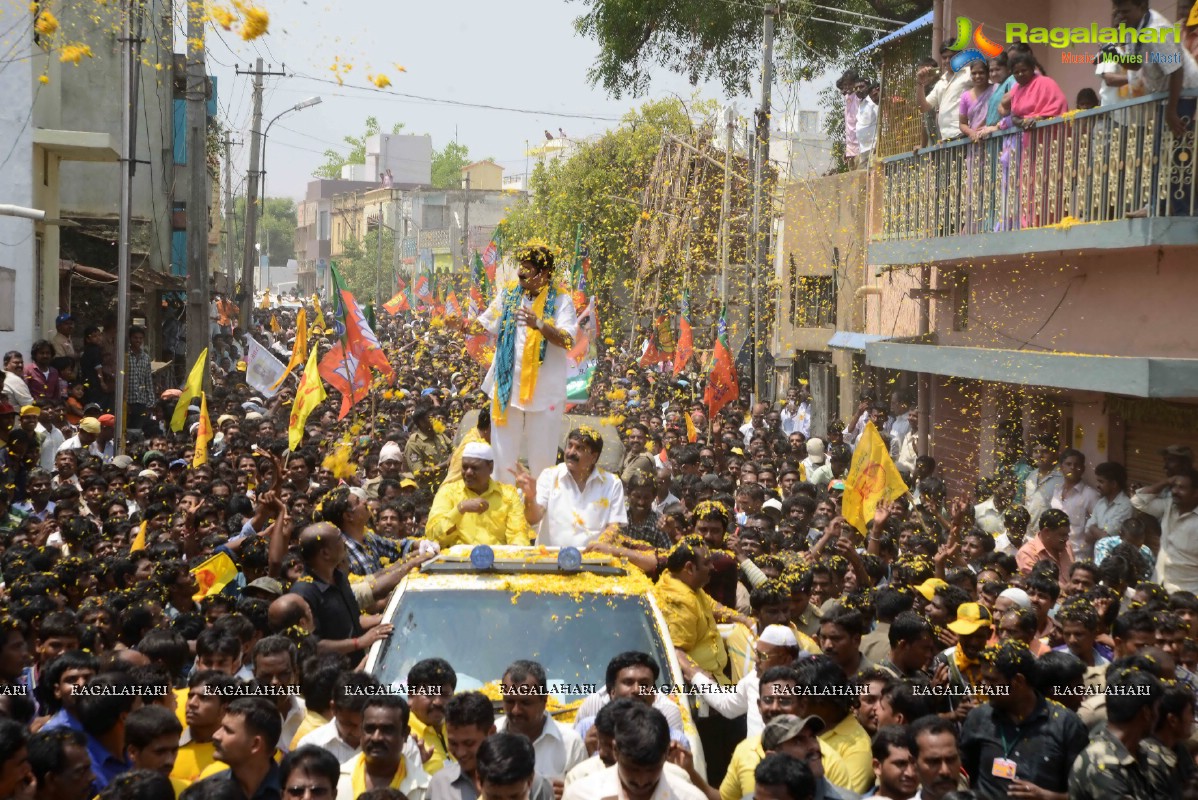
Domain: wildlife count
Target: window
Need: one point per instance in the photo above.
(813, 299)
(323, 232)
(808, 123)
(8, 299)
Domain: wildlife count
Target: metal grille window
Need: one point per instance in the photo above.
(814, 301)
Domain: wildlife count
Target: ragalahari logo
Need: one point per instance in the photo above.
(971, 45)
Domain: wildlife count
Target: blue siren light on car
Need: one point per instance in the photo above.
(482, 557)
(569, 559)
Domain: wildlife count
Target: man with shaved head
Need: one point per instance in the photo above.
(327, 592)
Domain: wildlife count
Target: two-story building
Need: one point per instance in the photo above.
(1038, 281)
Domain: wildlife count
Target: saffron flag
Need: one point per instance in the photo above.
(359, 340)
(398, 303)
(299, 348)
(191, 390)
(424, 295)
(451, 305)
(308, 396)
(692, 435)
(686, 338)
(346, 373)
(722, 386)
(203, 434)
(213, 575)
(872, 479)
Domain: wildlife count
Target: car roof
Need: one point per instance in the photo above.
(520, 569)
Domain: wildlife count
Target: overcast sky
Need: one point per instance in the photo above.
(521, 54)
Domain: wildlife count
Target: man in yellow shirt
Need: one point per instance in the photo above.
(431, 683)
(476, 509)
(779, 696)
(690, 613)
(842, 732)
(208, 696)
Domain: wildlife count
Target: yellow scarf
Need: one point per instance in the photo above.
(530, 361)
(358, 779)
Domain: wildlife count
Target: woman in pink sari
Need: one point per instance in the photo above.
(974, 109)
(1035, 98)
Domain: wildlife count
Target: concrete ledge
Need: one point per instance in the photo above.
(1084, 237)
(1134, 376)
(78, 145)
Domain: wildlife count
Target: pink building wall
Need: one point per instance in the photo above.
(1130, 303)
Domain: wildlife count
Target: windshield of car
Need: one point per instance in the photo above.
(480, 632)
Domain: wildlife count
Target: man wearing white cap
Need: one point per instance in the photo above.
(391, 466)
(814, 459)
(777, 646)
(475, 509)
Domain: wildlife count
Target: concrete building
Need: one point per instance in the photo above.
(1008, 278)
(314, 233)
(64, 134)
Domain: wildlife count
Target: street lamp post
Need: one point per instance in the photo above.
(311, 101)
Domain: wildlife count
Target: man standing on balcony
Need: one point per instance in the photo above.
(847, 85)
(945, 96)
(1166, 66)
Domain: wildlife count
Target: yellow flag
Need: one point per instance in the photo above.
(319, 324)
(298, 349)
(692, 435)
(191, 390)
(213, 575)
(265, 299)
(309, 395)
(203, 434)
(872, 479)
(275, 327)
(139, 541)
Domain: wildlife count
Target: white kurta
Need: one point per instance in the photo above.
(549, 394)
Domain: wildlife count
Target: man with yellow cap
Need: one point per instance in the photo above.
(475, 508)
(960, 666)
(85, 439)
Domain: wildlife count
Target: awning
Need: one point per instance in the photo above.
(907, 29)
(1145, 376)
(141, 278)
(847, 340)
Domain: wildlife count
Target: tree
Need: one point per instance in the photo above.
(359, 264)
(721, 40)
(334, 159)
(447, 165)
(276, 228)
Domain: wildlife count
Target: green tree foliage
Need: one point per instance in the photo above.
(720, 40)
(447, 165)
(359, 263)
(334, 159)
(600, 186)
(276, 227)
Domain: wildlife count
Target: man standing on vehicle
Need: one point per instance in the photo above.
(475, 508)
(535, 324)
(525, 694)
(576, 501)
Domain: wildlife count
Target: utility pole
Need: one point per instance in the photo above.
(378, 262)
(125, 212)
(198, 291)
(246, 297)
(466, 227)
(726, 205)
(760, 160)
(230, 240)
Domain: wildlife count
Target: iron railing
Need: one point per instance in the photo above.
(1091, 166)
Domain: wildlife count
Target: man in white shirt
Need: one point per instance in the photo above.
(777, 646)
(574, 502)
(528, 415)
(632, 674)
(342, 735)
(15, 387)
(642, 742)
(945, 97)
(867, 121)
(796, 414)
(1177, 562)
(525, 694)
(756, 422)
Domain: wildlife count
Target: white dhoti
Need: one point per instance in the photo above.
(533, 434)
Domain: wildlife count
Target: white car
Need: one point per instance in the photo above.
(527, 606)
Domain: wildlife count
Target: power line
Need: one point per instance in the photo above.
(461, 103)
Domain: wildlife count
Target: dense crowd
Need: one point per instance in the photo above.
(1034, 640)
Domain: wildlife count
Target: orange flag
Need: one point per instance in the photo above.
(722, 385)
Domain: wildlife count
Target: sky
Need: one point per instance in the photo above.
(520, 54)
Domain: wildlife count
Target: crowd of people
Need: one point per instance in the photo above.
(1036, 639)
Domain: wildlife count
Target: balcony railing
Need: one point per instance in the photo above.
(1092, 166)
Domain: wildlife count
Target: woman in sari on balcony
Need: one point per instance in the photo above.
(1002, 153)
(975, 104)
(1035, 98)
